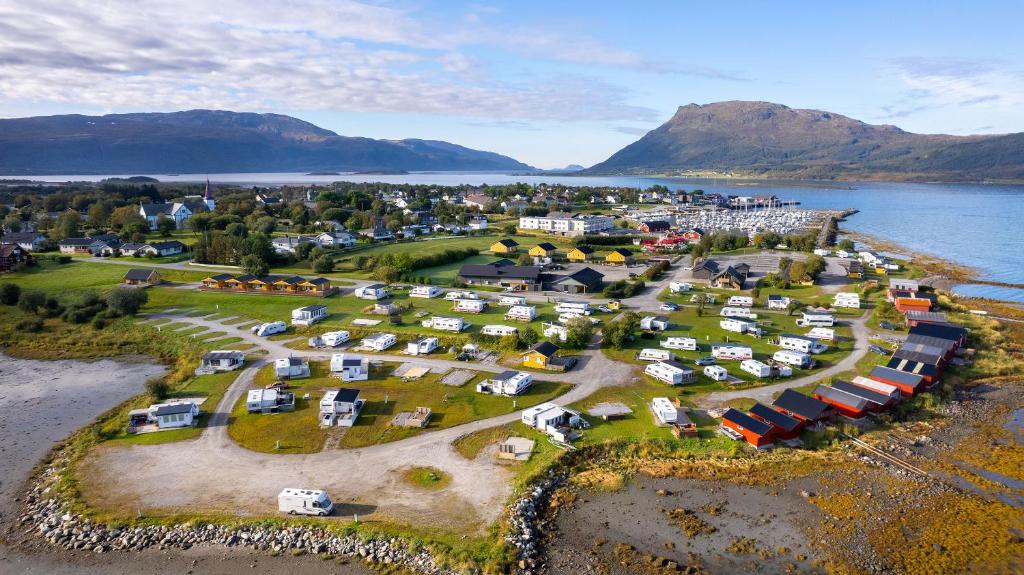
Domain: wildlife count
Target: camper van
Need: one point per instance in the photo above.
(789, 357)
(510, 300)
(580, 307)
(265, 329)
(654, 354)
(456, 295)
(741, 301)
(304, 502)
(801, 343)
(739, 326)
(816, 320)
(756, 368)
(470, 305)
(425, 291)
(565, 318)
(521, 313)
(731, 351)
(329, 339)
(671, 372)
(737, 312)
(499, 330)
(824, 333)
(716, 372)
(684, 343)
(679, 287)
(455, 324)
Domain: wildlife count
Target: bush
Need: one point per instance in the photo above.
(31, 301)
(323, 264)
(30, 325)
(126, 301)
(99, 323)
(157, 388)
(9, 293)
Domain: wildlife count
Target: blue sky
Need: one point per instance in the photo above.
(547, 83)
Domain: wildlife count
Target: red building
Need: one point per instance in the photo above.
(908, 304)
(13, 257)
(908, 383)
(654, 226)
(693, 236)
(847, 404)
(783, 426)
(756, 432)
(877, 402)
(802, 407)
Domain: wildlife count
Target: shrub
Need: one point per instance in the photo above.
(30, 325)
(99, 323)
(31, 301)
(9, 293)
(126, 301)
(157, 388)
(323, 264)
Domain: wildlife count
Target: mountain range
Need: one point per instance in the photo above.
(762, 139)
(214, 141)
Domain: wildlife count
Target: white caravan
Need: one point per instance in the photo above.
(499, 330)
(741, 301)
(737, 312)
(683, 343)
(265, 329)
(304, 502)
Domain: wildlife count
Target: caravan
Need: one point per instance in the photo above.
(740, 326)
(816, 320)
(265, 329)
(499, 330)
(521, 313)
(825, 333)
(801, 343)
(799, 359)
(671, 372)
(731, 351)
(756, 368)
(457, 295)
(580, 307)
(425, 291)
(716, 372)
(654, 354)
(683, 343)
(847, 299)
(510, 300)
(679, 287)
(455, 324)
(737, 312)
(555, 330)
(741, 301)
(470, 305)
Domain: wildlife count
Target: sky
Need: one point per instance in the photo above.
(548, 83)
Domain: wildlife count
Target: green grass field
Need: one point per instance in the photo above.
(298, 431)
(55, 278)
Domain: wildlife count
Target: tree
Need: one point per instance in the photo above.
(157, 388)
(255, 265)
(99, 215)
(302, 250)
(124, 300)
(793, 306)
(386, 274)
(525, 260)
(165, 226)
(323, 264)
(126, 215)
(9, 293)
(510, 229)
(68, 225)
(619, 331)
(578, 332)
(784, 262)
(846, 245)
(528, 336)
(12, 223)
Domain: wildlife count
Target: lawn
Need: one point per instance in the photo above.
(55, 278)
(298, 431)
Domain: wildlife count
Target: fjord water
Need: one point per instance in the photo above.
(976, 225)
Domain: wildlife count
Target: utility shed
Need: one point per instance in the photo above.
(784, 426)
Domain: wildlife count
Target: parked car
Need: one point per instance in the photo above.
(879, 349)
(569, 363)
(669, 306)
(463, 357)
(604, 308)
(887, 325)
(707, 360)
(278, 385)
(633, 276)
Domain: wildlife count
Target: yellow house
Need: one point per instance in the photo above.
(217, 282)
(619, 256)
(543, 250)
(581, 254)
(540, 355)
(505, 246)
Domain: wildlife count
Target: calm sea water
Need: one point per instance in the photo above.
(972, 224)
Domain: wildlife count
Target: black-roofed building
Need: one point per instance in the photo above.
(847, 404)
(586, 280)
(754, 431)
(802, 407)
(929, 371)
(878, 401)
(522, 278)
(785, 426)
(953, 333)
(908, 383)
(140, 277)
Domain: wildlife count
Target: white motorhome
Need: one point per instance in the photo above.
(737, 312)
(421, 345)
(425, 291)
(664, 410)
(499, 330)
(679, 287)
(521, 313)
(455, 324)
(716, 372)
(379, 341)
(801, 343)
(739, 325)
(671, 372)
(654, 354)
(350, 367)
(304, 502)
(270, 328)
(555, 330)
(816, 320)
(741, 301)
(308, 315)
(470, 305)
(457, 295)
(799, 359)
(825, 333)
(731, 351)
(580, 307)
(756, 368)
(684, 343)
(510, 300)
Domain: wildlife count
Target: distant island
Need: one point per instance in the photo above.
(382, 173)
(762, 139)
(324, 174)
(217, 141)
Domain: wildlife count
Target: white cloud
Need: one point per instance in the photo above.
(954, 82)
(310, 55)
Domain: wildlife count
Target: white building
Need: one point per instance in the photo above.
(171, 415)
(801, 343)
(510, 300)
(521, 313)
(372, 292)
(741, 301)
(421, 345)
(340, 407)
(499, 330)
(664, 410)
(679, 287)
(891, 391)
(469, 305)
(716, 372)
(580, 307)
(654, 323)
(425, 291)
(557, 422)
(291, 367)
(269, 401)
(731, 351)
(671, 372)
(739, 325)
(336, 239)
(457, 295)
(567, 224)
(509, 382)
(789, 357)
(309, 315)
(737, 312)
(222, 360)
(779, 302)
(477, 222)
(350, 367)
(684, 343)
(847, 300)
(555, 330)
(756, 368)
(288, 244)
(825, 333)
(379, 341)
(816, 320)
(455, 324)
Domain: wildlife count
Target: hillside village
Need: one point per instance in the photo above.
(471, 331)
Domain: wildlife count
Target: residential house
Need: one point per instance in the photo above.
(693, 236)
(509, 382)
(336, 239)
(291, 367)
(340, 407)
(350, 367)
(802, 407)
(543, 250)
(309, 315)
(732, 277)
(479, 201)
(754, 431)
(179, 212)
(421, 345)
(13, 257)
(140, 277)
(76, 245)
(264, 199)
(269, 401)
(654, 226)
(581, 254)
(505, 246)
(521, 278)
(29, 241)
(619, 256)
(477, 223)
(557, 422)
(222, 360)
(541, 355)
(174, 415)
(586, 280)
(288, 244)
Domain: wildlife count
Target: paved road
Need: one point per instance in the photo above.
(766, 394)
(215, 474)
